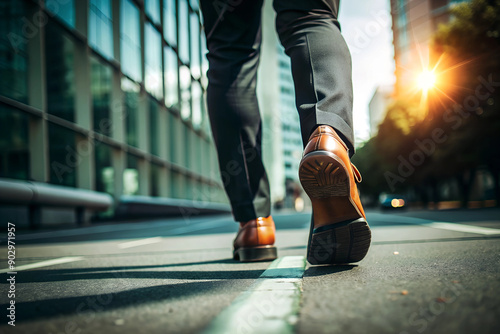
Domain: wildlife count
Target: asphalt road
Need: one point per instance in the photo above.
(426, 272)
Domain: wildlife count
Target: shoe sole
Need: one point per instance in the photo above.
(255, 254)
(325, 180)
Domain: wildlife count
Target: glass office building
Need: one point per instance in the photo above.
(282, 141)
(107, 95)
(413, 25)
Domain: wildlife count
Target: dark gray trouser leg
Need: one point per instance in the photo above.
(321, 64)
(233, 30)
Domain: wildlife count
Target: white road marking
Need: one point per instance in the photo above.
(141, 242)
(464, 228)
(270, 305)
(47, 263)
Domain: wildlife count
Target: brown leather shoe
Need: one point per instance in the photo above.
(339, 231)
(255, 240)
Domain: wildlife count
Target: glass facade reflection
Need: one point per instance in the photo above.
(115, 108)
(64, 10)
(170, 22)
(14, 144)
(59, 58)
(185, 91)
(183, 41)
(131, 111)
(204, 62)
(64, 158)
(13, 56)
(195, 61)
(153, 67)
(153, 10)
(101, 27)
(131, 176)
(101, 96)
(153, 127)
(171, 77)
(130, 40)
(155, 180)
(196, 95)
(104, 172)
(194, 4)
(173, 130)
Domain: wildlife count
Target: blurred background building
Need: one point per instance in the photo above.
(413, 24)
(378, 106)
(282, 141)
(443, 52)
(106, 96)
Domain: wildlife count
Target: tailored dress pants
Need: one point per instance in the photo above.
(321, 69)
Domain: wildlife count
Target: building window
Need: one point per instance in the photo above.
(188, 189)
(170, 22)
(101, 27)
(176, 184)
(153, 10)
(130, 35)
(131, 176)
(171, 68)
(173, 124)
(65, 10)
(197, 97)
(153, 127)
(194, 4)
(14, 144)
(204, 111)
(186, 133)
(60, 72)
(204, 61)
(195, 63)
(155, 180)
(153, 79)
(63, 156)
(183, 31)
(104, 171)
(185, 88)
(131, 105)
(13, 56)
(101, 96)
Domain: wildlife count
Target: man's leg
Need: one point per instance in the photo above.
(233, 30)
(321, 69)
(321, 64)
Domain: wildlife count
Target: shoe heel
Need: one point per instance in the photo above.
(339, 243)
(253, 254)
(322, 175)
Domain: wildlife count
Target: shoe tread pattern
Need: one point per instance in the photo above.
(344, 244)
(322, 176)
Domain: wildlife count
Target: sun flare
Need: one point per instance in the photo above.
(426, 80)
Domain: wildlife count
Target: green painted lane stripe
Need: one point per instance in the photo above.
(270, 305)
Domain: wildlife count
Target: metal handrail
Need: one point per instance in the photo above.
(37, 194)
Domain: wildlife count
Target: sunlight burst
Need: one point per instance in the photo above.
(426, 80)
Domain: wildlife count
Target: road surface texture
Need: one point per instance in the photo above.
(426, 272)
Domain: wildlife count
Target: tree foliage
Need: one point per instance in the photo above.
(461, 128)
